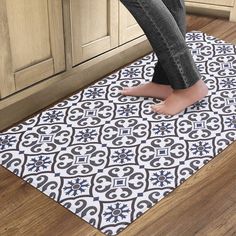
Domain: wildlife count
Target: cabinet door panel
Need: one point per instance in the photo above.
(94, 28)
(34, 73)
(129, 29)
(36, 40)
(28, 29)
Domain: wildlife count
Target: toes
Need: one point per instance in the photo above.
(157, 107)
(124, 91)
(158, 104)
(125, 88)
(160, 108)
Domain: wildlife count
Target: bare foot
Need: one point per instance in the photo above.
(181, 98)
(150, 89)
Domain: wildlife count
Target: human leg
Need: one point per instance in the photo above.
(178, 11)
(167, 40)
(160, 86)
(169, 43)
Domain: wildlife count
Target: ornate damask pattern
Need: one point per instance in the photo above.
(108, 158)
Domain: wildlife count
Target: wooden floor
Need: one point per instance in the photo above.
(204, 205)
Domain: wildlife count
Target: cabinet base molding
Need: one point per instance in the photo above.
(211, 10)
(26, 103)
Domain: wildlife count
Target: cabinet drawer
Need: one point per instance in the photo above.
(215, 2)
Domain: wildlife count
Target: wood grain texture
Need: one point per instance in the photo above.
(29, 32)
(32, 46)
(128, 26)
(34, 73)
(90, 36)
(205, 204)
(6, 76)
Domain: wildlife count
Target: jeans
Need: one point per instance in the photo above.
(164, 24)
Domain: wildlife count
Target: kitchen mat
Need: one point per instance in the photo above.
(108, 158)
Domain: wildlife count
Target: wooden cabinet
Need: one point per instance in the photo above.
(98, 26)
(226, 8)
(129, 29)
(33, 44)
(51, 48)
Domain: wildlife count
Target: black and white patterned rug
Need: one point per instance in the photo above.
(108, 158)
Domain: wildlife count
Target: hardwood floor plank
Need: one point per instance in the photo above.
(200, 199)
(194, 22)
(221, 225)
(218, 27)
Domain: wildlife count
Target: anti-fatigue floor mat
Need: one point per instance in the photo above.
(108, 158)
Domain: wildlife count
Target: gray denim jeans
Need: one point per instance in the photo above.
(164, 24)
